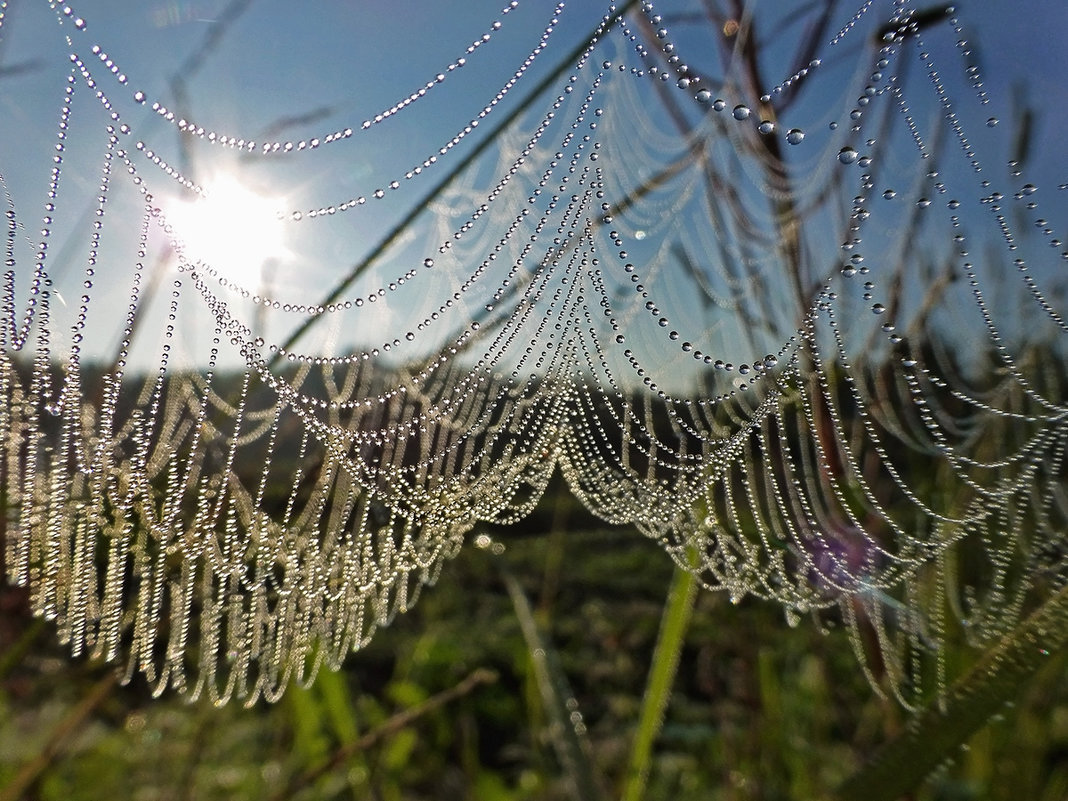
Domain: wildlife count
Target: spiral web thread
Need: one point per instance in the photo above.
(790, 354)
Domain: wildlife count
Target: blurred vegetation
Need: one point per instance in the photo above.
(446, 702)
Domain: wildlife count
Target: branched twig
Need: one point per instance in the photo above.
(32, 770)
(391, 726)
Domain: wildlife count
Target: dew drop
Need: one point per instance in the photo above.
(766, 127)
(720, 104)
(795, 136)
(741, 112)
(847, 155)
(703, 96)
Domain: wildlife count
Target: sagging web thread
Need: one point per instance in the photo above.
(632, 285)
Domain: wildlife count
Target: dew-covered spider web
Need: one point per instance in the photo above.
(295, 299)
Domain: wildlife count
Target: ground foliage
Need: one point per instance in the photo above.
(760, 709)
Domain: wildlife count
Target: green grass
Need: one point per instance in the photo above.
(755, 710)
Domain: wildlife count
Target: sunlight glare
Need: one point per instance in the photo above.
(231, 228)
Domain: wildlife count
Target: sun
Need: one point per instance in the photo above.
(231, 228)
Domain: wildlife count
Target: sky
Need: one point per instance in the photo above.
(280, 72)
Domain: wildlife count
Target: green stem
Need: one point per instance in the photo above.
(937, 733)
(672, 635)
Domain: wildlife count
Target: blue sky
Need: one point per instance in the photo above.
(345, 61)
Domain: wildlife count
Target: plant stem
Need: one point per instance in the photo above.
(937, 733)
(393, 725)
(672, 635)
(556, 698)
(32, 770)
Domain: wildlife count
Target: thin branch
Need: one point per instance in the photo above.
(391, 726)
(32, 770)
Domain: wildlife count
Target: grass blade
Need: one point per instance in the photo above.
(672, 635)
(937, 733)
(555, 694)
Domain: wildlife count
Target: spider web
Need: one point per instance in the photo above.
(799, 330)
